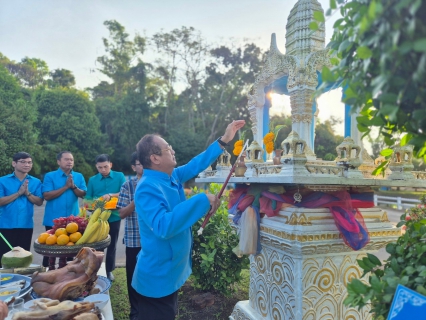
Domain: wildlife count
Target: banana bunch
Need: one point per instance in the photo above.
(98, 227)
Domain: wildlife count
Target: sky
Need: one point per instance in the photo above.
(68, 33)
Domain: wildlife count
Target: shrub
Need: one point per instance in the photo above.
(406, 265)
(215, 266)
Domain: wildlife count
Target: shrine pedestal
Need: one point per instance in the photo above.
(304, 266)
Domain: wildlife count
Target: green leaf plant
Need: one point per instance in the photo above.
(406, 265)
(381, 48)
(214, 266)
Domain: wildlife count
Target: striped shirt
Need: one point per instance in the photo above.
(132, 238)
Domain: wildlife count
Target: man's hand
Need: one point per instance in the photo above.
(70, 182)
(214, 203)
(3, 310)
(232, 129)
(23, 189)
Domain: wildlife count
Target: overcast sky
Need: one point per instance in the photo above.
(68, 33)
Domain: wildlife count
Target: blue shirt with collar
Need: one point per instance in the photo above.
(165, 218)
(99, 185)
(67, 203)
(18, 213)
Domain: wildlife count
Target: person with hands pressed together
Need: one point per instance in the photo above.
(61, 189)
(107, 184)
(19, 192)
(165, 218)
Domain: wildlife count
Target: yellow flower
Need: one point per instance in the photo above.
(269, 147)
(238, 143)
(269, 137)
(237, 150)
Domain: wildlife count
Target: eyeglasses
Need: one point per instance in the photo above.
(25, 162)
(169, 148)
(138, 164)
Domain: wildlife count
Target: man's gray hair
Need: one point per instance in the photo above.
(145, 148)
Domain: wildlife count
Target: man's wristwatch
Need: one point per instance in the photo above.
(73, 188)
(223, 144)
(28, 194)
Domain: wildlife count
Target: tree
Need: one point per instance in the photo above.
(123, 106)
(121, 53)
(67, 121)
(381, 46)
(326, 140)
(185, 53)
(61, 78)
(17, 117)
(224, 95)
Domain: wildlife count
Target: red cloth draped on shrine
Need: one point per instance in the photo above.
(342, 204)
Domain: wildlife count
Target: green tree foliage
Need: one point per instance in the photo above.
(17, 118)
(229, 76)
(121, 54)
(67, 121)
(381, 46)
(31, 72)
(61, 78)
(326, 140)
(406, 265)
(122, 106)
(215, 266)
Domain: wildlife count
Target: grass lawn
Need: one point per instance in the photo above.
(221, 309)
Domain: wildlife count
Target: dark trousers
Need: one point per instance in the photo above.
(112, 248)
(18, 237)
(131, 254)
(164, 308)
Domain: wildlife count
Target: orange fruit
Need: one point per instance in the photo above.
(70, 243)
(63, 240)
(51, 239)
(42, 237)
(60, 231)
(74, 237)
(72, 227)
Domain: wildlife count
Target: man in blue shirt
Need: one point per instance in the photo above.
(19, 192)
(107, 184)
(61, 189)
(132, 240)
(165, 218)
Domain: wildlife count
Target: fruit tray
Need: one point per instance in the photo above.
(68, 251)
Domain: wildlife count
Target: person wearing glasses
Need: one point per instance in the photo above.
(19, 192)
(132, 239)
(107, 184)
(165, 218)
(61, 189)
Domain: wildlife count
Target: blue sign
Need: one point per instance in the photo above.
(407, 304)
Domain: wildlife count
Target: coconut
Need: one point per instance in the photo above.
(17, 258)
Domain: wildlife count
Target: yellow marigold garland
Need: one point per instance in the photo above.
(238, 146)
(269, 147)
(268, 141)
(269, 137)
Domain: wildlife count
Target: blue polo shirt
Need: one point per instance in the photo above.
(165, 218)
(99, 185)
(67, 203)
(18, 213)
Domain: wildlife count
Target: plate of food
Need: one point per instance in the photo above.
(102, 284)
(5, 278)
(17, 280)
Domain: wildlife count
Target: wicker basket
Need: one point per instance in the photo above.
(68, 251)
